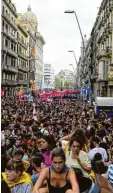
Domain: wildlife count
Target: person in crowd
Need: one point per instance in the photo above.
(18, 155)
(98, 165)
(97, 149)
(78, 158)
(24, 148)
(37, 163)
(17, 180)
(46, 145)
(59, 177)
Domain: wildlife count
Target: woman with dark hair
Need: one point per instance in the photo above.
(78, 132)
(17, 180)
(46, 144)
(60, 178)
(78, 158)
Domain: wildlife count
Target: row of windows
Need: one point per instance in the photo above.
(4, 10)
(23, 63)
(22, 76)
(9, 43)
(9, 76)
(9, 61)
(8, 28)
(21, 50)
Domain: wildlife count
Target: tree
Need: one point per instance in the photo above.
(67, 84)
(57, 82)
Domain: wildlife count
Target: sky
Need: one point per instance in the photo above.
(60, 30)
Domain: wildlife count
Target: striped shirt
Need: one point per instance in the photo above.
(110, 170)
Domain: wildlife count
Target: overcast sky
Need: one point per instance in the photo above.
(60, 30)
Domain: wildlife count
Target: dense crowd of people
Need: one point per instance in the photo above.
(61, 150)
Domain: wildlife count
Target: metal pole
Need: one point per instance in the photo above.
(80, 29)
(75, 58)
(84, 52)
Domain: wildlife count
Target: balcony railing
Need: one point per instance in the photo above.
(22, 82)
(8, 33)
(10, 51)
(22, 55)
(10, 68)
(22, 68)
(11, 6)
(101, 54)
(9, 82)
(8, 18)
(23, 43)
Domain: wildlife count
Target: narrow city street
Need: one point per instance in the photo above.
(57, 96)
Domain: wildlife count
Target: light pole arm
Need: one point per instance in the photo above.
(75, 58)
(80, 30)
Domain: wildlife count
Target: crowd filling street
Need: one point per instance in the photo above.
(63, 148)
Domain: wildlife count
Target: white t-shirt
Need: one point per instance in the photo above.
(100, 150)
(84, 158)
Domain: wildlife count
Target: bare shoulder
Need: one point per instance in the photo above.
(45, 172)
(71, 172)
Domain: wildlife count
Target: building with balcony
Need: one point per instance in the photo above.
(99, 55)
(9, 55)
(22, 47)
(49, 77)
(36, 41)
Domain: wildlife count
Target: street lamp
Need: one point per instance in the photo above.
(71, 12)
(71, 51)
(73, 67)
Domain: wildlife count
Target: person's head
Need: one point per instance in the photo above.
(58, 159)
(14, 170)
(81, 134)
(7, 132)
(75, 145)
(97, 157)
(33, 142)
(45, 142)
(7, 143)
(95, 141)
(37, 160)
(17, 143)
(18, 155)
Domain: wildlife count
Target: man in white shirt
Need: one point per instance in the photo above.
(97, 149)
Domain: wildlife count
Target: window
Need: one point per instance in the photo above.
(12, 46)
(3, 9)
(6, 42)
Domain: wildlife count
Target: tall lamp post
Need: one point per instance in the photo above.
(71, 12)
(71, 51)
(74, 12)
